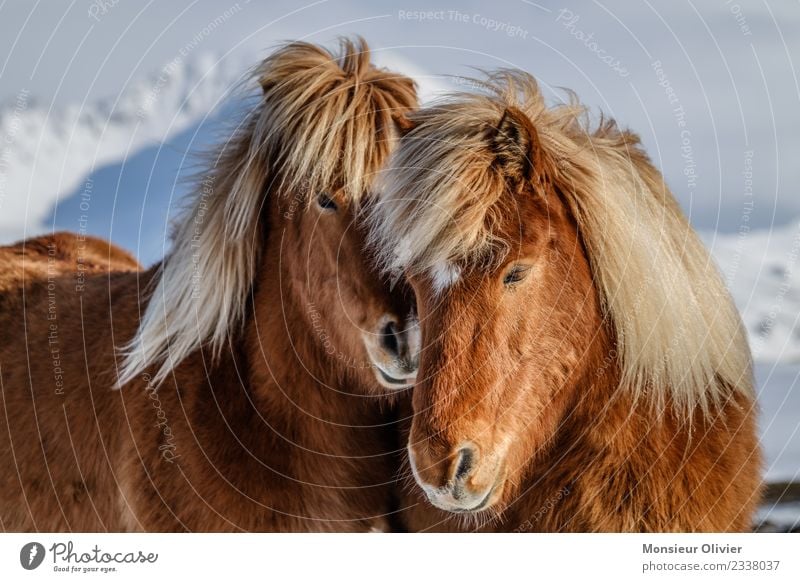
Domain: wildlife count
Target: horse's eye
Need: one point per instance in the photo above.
(326, 202)
(516, 274)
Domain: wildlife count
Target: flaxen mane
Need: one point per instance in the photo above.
(315, 126)
(678, 333)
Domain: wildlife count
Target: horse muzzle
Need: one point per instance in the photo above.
(394, 352)
(459, 482)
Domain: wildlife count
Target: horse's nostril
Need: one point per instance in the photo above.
(464, 462)
(389, 338)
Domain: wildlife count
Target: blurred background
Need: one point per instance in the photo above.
(104, 105)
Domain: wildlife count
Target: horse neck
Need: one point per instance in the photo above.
(606, 425)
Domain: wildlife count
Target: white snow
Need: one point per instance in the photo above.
(47, 153)
(779, 422)
(761, 270)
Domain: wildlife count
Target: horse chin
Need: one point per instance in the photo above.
(490, 501)
(390, 382)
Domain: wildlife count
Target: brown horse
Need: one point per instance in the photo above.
(583, 367)
(57, 254)
(253, 361)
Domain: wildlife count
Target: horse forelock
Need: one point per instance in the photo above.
(328, 120)
(678, 333)
(325, 122)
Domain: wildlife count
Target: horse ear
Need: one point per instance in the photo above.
(516, 147)
(404, 124)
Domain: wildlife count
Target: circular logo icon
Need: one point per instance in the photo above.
(31, 555)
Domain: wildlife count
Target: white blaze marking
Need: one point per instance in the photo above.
(444, 275)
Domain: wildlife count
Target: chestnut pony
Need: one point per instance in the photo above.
(251, 362)
(57, 254)
(582, 366)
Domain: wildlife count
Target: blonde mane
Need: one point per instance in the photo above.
(678, 333)
(325, 122)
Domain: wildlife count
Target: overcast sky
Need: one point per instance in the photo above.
(710, 86)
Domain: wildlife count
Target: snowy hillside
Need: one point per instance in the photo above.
(761, 269)
(47, 154)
